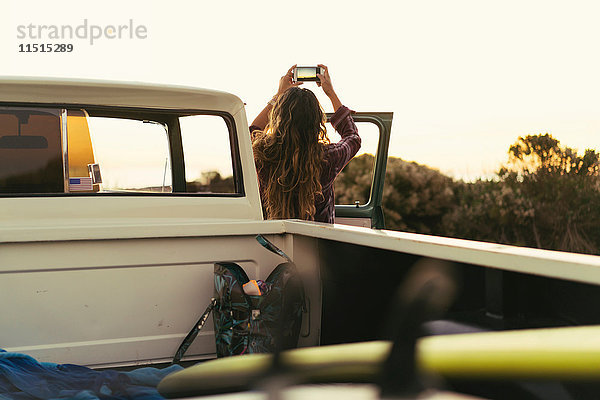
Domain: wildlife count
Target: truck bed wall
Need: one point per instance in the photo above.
(120, 302)
(359, 282)
(105, 302)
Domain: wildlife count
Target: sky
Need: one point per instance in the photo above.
(463, 78)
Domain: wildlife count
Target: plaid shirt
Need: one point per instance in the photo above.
(336, 156)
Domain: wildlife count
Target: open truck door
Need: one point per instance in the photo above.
(357, 203)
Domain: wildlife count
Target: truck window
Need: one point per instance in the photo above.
(132, 155)
(30, 151)
(42, 152)
(207, 152)
(355, 181)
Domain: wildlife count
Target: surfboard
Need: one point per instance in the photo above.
(571, 353)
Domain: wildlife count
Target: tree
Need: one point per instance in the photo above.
(491, 211)
(546, 196)
(415, 197)
(212, 182)
(542, 155)
(354, 182)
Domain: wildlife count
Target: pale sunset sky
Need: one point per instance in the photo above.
(463, 78)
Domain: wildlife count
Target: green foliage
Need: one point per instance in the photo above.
(415, 198)
(211, 182)
(546, 196)
(490, 211)
(542, 155)
(354, 182)
(563, 189)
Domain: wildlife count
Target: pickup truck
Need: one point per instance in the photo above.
(116, 200)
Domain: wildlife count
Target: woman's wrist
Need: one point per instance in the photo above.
(273, 100)
(335, 101)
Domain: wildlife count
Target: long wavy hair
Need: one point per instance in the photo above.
(291, 150)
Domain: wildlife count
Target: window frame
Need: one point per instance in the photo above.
(171, 119)
(236, 161)
(372, 209)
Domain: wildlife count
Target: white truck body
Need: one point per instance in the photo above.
(103, 280)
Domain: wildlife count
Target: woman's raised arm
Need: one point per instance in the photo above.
(285, 82)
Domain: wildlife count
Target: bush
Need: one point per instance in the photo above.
(545, 196)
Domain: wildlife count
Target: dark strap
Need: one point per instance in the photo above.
(266, 243)
(194, 332)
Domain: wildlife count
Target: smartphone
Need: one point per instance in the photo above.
(307, 74)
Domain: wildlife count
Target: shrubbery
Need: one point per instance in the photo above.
(545, 196)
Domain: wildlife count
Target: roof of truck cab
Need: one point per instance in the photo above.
(80, 92)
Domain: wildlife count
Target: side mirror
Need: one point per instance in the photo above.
(23, 142)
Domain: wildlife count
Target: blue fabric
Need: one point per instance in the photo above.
(24, 378)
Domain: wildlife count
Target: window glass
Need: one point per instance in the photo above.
(132, 155)
(207, 154)
(354, 182)
(30, 151)
(109, 154)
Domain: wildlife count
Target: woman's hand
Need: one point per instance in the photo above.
(287, 81)
(325, 83)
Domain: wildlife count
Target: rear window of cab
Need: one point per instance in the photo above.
(46, 151)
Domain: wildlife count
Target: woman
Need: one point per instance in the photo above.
(295, 161)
